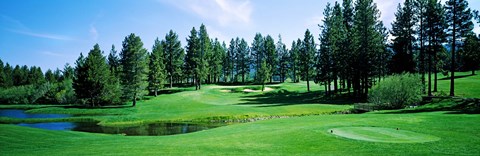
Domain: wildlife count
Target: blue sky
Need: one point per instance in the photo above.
(50, 33)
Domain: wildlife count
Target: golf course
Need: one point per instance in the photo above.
(239, 77)
(282, 120)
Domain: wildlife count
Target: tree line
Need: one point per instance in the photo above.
(354, 52)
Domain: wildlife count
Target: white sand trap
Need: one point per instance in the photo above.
(225, 91)
(267, 89)
(382, 134)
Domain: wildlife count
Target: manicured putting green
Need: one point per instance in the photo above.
(382, 134)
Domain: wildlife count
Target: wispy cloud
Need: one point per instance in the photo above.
(224, 12)
(93, 32)
(214, 33)
(314, 21)
(54, 54)
(18, 27)
(43, 35)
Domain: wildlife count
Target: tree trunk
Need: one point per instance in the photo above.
(308, 83)
(326, 89)
(171, 81)
(452, 70)
(335, 84)
(429, 75)
(134, 99)
(156, 92)
(243, 77)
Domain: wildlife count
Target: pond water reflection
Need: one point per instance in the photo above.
(155, 129)
(18, 113)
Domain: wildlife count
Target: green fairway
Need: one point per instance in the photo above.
(295, 123)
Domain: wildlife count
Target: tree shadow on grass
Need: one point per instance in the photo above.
(464, 106)
(457, 77)
(286, 98)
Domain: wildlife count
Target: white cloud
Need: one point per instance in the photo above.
(224, 12)
(314, 21)
(387, 9)
(214, 33)
(93, 32)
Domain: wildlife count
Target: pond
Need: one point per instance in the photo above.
(18, 113)
(155, 129)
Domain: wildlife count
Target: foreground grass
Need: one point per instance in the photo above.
(457, 133)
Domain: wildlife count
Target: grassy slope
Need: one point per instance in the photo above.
(466, 85)
(458, 133)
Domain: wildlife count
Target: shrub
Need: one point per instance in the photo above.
(397, 91)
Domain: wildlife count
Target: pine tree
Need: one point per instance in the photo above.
(435, 30)
(348, 19)
(324, 58)
(68, 72)
(204, 53)
(257, 52)
(36, 77)
(270, 55)
(92, 78)
(263, 74)
(49, 76)
(283, 59)
(8, 81)
(134, 65)
(2, 75)
(114, 62)
(191, 58)
(339, 52)
(306, 56)
(243, 65)
(459, 19)
(471, 53)
(156, 75)
(217, 60)
(80, 80)
(231, 60)
(294, 59)
(366, 38)
(403, 43)
(174, 56)
(420, 11)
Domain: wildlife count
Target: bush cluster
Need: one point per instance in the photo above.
(397, 91)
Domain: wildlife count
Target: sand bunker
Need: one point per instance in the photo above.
(225, 91)
(382, 134)
(267, 89)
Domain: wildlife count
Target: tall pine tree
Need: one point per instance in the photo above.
(307, 54)
(459, 19)
(174, 56)
(404, 39)
(156, 75)
(134, 62)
